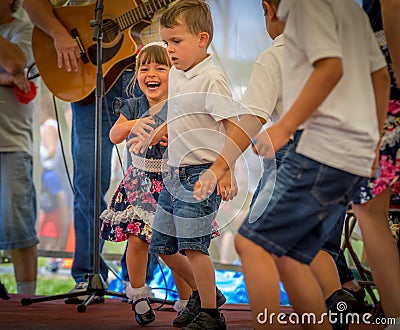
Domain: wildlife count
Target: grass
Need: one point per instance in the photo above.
(47, 284)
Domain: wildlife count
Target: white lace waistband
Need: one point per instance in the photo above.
(149, 165)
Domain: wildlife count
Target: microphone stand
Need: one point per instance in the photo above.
(96, 284)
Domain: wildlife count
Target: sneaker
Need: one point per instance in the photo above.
(342, 303)
(187, 315)
(82, 286)
(205, 321)
(146, 317)
(360, 297)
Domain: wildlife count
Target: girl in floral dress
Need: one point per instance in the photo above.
(382, 191)
(131, 210)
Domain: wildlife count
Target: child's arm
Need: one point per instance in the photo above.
(391, 26)
(381, 85)
(158, 135)
(221, 172)
(327, 73)
(123, 127)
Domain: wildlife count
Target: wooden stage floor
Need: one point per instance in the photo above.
(112, 314)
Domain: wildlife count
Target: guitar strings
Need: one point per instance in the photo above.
(108, 28)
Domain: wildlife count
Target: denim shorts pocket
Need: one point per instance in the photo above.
(332, 185)
(191, 179)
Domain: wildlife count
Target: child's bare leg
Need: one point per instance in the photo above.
(303, 290)
(203, 271)
(179, 264)
(381, 250)
(262, 282)
(324, 268)
(184, 290)
(138, 291)
(136, 260)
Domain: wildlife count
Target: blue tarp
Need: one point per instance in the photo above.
(229, 282)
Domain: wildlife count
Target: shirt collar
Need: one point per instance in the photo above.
(200, 67)
(278, 41)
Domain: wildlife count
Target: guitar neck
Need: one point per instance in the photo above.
(145, 11)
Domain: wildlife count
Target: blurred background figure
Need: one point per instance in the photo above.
(56, 194)
(17, 191)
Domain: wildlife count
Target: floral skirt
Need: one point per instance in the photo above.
(132, 208)
(388, 172)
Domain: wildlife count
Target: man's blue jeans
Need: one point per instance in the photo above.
(85, 168)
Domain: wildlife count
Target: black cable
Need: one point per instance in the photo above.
(111, 124)
(166, 286)
(35, 75)
(62, 145)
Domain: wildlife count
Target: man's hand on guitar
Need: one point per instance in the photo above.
(67, 49)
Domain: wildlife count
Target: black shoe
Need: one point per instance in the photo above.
(187, 315)
(205, 321)
(220, 298)
(360, 297)
(147, 317)
(340, 304)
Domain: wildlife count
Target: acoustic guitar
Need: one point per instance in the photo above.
(122, 22)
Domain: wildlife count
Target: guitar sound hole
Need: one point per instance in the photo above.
(110, 31)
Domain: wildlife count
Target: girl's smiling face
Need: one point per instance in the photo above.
(153, 81)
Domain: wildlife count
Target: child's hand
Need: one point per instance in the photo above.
(137, 145)
(261, 143)
(164, 140)
(205, 185)
(266, 142)
(142, 127)
(227, 186)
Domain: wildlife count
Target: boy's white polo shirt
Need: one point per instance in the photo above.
(263, 96)
(343, 132)
(198, 100)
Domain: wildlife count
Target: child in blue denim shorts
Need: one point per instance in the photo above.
(198, 112)
(334, 93)
(329, 94)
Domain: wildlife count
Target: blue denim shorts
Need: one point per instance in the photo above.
(305, 203)
(181, 222)
(17, 201)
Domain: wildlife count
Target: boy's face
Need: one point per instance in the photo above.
(184, 48)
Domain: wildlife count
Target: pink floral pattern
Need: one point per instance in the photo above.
(388, 172)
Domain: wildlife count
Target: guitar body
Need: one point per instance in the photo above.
(118, 50)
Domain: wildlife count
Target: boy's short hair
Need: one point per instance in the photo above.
(274, 2)
(195, 14)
